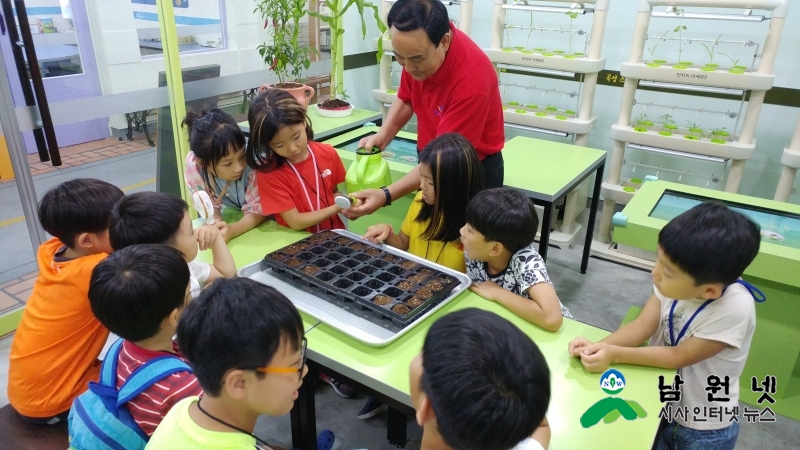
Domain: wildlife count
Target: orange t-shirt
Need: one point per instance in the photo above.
(55, 349)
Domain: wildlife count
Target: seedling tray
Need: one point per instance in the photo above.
(392, 285)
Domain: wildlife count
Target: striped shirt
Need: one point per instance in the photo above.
(149, 407)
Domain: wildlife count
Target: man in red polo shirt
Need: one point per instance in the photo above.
(452, 87)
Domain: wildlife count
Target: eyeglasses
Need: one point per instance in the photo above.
(303, 347)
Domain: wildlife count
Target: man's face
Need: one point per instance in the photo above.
(417, 54)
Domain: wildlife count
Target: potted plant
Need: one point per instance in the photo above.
(284, 55)
(643, 120)
(550, 108)
(668, 123)
(338, 107)
(710, 66)
(720, 135)
(695, 130)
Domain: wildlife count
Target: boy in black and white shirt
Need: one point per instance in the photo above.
(501, 260)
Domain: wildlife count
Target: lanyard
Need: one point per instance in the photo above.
(758, 296)
(303, 184)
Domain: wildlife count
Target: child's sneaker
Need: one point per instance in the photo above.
(341, 389)
(371, 409)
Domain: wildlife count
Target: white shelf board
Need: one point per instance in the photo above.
(387, 44)
(382, 96)
(732, 150)
(791, 158)
(614, 192)
(61, 38)
(537, 60)
(697, 77)
(530, 119)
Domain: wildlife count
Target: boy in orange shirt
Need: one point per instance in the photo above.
(55, 349)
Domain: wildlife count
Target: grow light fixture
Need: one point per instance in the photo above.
(710, 16)
(663, 151)
(691, 87)
(558, 73)
(537, 130)
(549, 9)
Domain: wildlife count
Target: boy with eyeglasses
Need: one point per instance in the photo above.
(245, 367)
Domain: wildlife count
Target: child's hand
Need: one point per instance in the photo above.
(378, 233)
(597, 357)
(223, 229)
(206, 235)
(488, 290)
(577, 345)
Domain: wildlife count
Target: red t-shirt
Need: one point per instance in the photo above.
(281, 190)
(461, 97)
(150, 407)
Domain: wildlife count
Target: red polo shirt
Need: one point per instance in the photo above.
(463, 96)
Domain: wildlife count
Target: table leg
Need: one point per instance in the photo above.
(544, 237)
(303, 415)
(396, 428)
(587, 246)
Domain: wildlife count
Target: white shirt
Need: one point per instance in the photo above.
(528, 444)
(730, 319)
(198, 275)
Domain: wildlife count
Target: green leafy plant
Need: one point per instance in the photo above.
(541, 114)
(640, 129)
(530, 29)
(284, 55)
(718, 141)
(653, 48)
(679, 29)
(694, 128)
(668, 122)
(691, 137)
(569, 111)
(572, 16)
(532, 106)
(513, 103)
(643, 120)
(333, 20)
(550, 108)
(720, 132)
(665, 133)
(561, 117)
(521, 111)
(710, 49)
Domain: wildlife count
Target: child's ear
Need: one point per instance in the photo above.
(235, 385)
(172, 318)
(712, 291)
(85, 240)
(425, 410)
(497, 249)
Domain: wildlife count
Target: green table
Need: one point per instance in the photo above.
(546, 172)
(775, 349)
(325, 127)
(384, 371)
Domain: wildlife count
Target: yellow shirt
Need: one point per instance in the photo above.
(179, 431)
(450, 254)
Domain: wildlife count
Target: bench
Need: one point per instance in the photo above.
(17, 434)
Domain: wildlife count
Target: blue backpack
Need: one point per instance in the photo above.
(99, 418)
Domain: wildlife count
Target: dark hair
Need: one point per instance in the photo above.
(487, 382)
(77, 206)
(236, 323)
(213, 135)
(133, 290)
(410, 15)
(146, 218)
(457, 177)
(711, 243)
(504, 215)
(270, 111)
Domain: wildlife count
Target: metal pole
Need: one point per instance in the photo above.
(19, 160)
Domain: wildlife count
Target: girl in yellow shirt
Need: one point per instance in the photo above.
(451, 175)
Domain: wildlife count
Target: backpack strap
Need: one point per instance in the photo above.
(108, 369)
(149, 374)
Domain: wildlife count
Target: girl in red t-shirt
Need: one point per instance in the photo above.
(297, 178)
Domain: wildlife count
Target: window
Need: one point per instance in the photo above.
(200, 25)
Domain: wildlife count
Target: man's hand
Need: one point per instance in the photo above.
(597, 357)
(378, 139)
(577, 345)
(369, 201)
(206, 235)
(488, 290)
(378, 233)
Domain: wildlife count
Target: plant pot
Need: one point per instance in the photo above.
(391, 91)
(507, 49)
(578, 54)
(569, 111)
(521, 111)
(652, 64)
(721, 134)
(740, 67)
(708, 69)
(539, 49)
(659, 61)
(532, 106)
(665, 133)
(685, 63)
(636, 181)
(629, 189)
(558, 51)
(300, 92)
(640, 129)
(560, 117)
(718, 141)
(680, 66)
(670, 127)
(519, 47)
(541, 114)
(696, 130)
(646, 123)
(513, 103)
(569, 56)
(547, 54)
(736, 71)
(689, 137)
(711, 65)
(551, 108)
(527, 52)
(335, 113)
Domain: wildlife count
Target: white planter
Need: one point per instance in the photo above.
(334, 113)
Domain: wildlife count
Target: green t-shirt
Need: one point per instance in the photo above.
(178, 430)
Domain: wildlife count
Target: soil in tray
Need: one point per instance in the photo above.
(343, 284)
(390, 258)
(294, 263)
(401, 308)
(387, 277)
(278, 256)
(426, 272)
(355, 276)
(310, 270)
(414, 302)
(424, 293)
(326, 276)
(434, 286)
(418, 278)
(381, 300)
(358, 246)
(367, 270)
(295, 248)
(342, 240)
(444, 281)
(408, 264)
(374, 284)
(372, 251)
(405, 285)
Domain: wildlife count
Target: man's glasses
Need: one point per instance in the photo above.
(303, 347)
